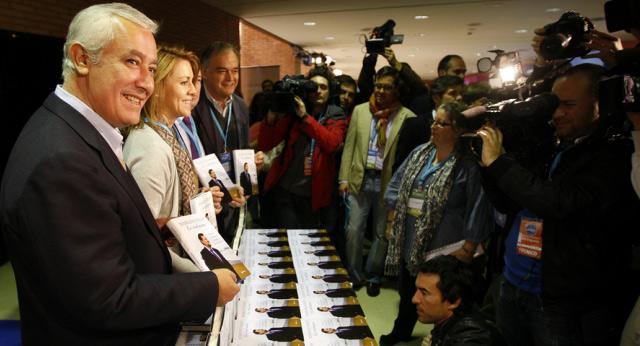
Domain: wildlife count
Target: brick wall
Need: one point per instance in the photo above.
(192, 23)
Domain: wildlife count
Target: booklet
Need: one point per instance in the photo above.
(447, 249)
(204, 244)
(202, 203)
(245, 170)
(211, 173)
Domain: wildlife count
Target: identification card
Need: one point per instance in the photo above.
(307, 166)
(416, 200)
(371, 158)
(225, 160)
(530, 238)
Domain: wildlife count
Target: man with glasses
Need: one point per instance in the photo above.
(365, 171)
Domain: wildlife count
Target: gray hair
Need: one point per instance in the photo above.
(95, 27)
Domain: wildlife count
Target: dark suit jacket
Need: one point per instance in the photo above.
(354, 332)
(415, 131)
(283, 278)
(284, 293)
(346, 310)
(340, 293)
(285, 334)
(213, 263)
(245, 182)
(284, 312)
(227, 197)
(89, 262)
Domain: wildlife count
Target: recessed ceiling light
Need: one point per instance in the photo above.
(329, 38)
(431, 71)
(478, 54)
(553, 9)
(417, 48)
(411, 55)
(309, 23)
(521, 31)
(421, 17)
(420, 34)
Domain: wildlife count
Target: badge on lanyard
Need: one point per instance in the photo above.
(530, 238)
(307, 166)
(371, 158)
(416, 200)
(225, 160)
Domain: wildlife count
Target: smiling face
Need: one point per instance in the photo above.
(430, 306)
(121, 82)
(179, 91)
(221, 77)
(578, 109)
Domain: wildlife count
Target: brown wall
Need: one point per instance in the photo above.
(192, 23)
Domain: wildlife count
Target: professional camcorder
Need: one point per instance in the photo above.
(383, 37)
(564, 37)
(285, 90)
(523, 123)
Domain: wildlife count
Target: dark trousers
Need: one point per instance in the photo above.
(407, 315)
(294, 211)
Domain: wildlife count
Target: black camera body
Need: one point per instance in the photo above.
(383, 37)
(524, 124)
(564, 37)
(618, 95)
(285, 90)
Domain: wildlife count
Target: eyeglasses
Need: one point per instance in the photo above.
(384, 87)
(440, 124)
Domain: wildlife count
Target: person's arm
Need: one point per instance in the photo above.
(366, 77)
(347, 155)
(329, 136)
(273, 130)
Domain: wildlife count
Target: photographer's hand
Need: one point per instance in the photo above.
(301, 109)
(535, 43)
(606, 44)
(343, 189)
(391, 58)
(271, 117)
(491, 144)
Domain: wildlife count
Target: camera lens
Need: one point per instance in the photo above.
(552, 47)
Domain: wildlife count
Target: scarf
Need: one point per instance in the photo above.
(382, 115)
(436, 196)
(184, 165)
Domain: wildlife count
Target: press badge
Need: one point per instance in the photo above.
(225, 160)
(530, 238)
(416, 200)
(371, 158)
(307, 166)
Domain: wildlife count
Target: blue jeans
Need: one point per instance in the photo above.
(361, 204)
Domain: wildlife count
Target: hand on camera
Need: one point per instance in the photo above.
(606, 45)
(301, 109)
(491, 144)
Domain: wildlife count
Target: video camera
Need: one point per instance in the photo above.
(383, 37)
(564, 37)
(524, 124)
(285, 90)
(619, 94)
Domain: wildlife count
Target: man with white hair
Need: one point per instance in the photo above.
(91, 265)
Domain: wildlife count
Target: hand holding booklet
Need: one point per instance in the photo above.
(205, 246)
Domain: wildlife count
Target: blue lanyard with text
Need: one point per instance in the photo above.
(215, 120)
(177, 135)
(373, 133)
(313, 141)
(192, 133)
(431, 168)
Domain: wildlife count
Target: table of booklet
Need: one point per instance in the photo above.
(298, 293)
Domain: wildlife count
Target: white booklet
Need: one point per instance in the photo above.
(202, 203)
(211, 173)
(447, 249)
(204, 244)
(245, 170)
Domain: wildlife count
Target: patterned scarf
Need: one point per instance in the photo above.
(436, 196)
(382, 115)
(186, 172)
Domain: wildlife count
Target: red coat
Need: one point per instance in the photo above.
(328, 138)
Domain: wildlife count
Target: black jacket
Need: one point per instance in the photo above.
(467, 330)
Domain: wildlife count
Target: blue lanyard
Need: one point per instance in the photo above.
(313, 141)
(193, 135)
(179, 138)
(373, 132)
(431, 168)
(215, 120)
(554, 165)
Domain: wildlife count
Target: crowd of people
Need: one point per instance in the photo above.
(108, 159)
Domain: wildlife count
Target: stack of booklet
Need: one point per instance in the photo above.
(298, 293)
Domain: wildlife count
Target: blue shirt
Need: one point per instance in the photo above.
(521, 271)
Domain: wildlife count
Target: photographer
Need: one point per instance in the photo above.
(303, 175)
(411, 87)
(569, 209)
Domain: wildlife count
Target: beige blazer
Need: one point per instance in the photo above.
(356, 146)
